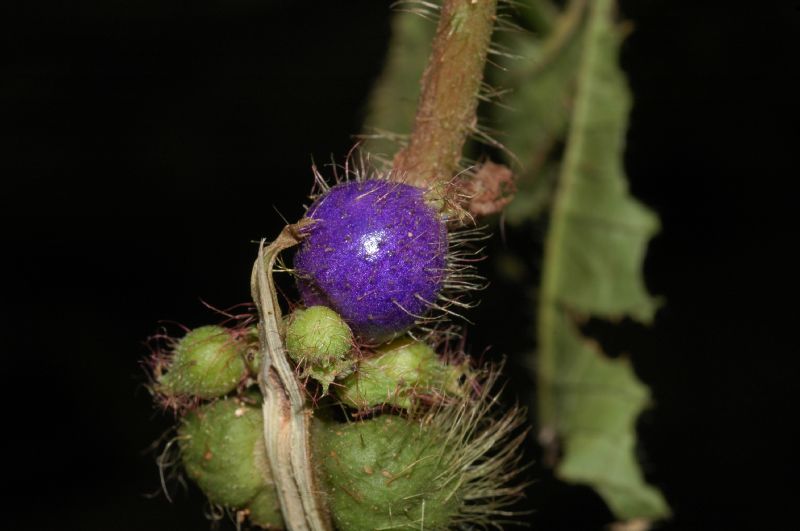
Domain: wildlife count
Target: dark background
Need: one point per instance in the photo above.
(146, 145)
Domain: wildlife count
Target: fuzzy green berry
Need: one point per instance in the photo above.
(265, 511)
(222, 450)
(207, 362)
(387, 473)
(320, 342)
(317, 333)
(397, 373)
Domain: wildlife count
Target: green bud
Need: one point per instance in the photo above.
(207, 362)
(386, 473)
(320, 342)
(222, 450)
(252, 354)
(397, 373)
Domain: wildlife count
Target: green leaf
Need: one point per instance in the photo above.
(593, 260)
(593, 409)
(393, 102)
(541, 80)
(538, 15)
(534, 195)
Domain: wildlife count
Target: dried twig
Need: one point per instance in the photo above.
(286, 413)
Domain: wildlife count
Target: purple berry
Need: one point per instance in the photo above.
(376, 255)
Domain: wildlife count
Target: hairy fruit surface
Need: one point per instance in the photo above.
(207, 362)
(376, 254)
(386, 473)
(397, 373)
(320, 342)
(222, 450)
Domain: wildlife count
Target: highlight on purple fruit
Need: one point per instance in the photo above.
(376, 254)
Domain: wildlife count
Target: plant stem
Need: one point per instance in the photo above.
(449, 95)
(286, 413)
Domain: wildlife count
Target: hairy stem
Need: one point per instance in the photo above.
(449, 97)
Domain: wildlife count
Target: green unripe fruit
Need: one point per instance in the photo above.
(320, 341)
(317, 334)
(207, 362)
(265, 511)
(222, 450)
(386, 473)
(397, 373)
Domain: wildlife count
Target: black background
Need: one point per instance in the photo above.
(147, 145)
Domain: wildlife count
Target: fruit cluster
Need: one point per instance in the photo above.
(403, 436)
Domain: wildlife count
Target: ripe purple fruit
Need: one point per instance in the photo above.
(376, 255)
